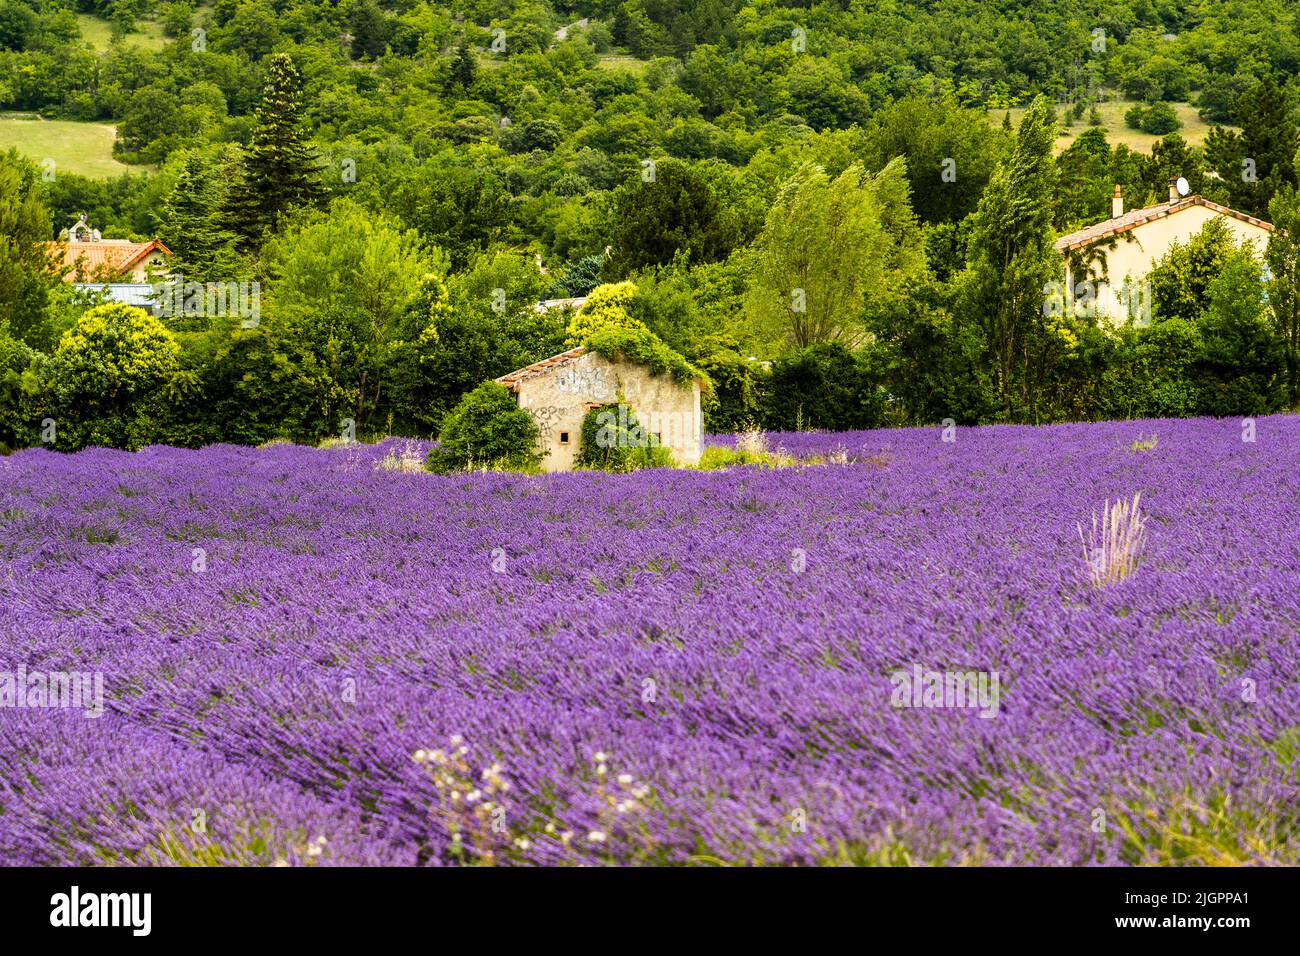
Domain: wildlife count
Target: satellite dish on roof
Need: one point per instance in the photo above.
(1182, 187)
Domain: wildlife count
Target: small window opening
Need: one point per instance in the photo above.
(564, 438)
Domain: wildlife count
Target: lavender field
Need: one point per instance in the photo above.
(310, 660)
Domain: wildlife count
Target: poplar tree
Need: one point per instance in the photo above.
(1283, 258)
(1012, 259)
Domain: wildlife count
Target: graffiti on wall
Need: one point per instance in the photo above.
(595, 383)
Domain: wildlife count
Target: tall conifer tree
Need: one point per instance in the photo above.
(280, 169)
(192, 222)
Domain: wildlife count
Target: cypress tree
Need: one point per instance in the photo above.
(1269, 134)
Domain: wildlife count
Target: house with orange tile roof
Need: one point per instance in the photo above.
(87, 257)
(1107, 264)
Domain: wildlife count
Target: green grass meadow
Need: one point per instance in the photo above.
(82, 148)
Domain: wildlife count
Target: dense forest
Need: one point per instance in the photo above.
(827, 208)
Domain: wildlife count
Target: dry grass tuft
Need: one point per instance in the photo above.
(1114, 545)
(752, 441)
(405, 459)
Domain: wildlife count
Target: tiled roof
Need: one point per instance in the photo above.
(92, 259)
(1137, 217)
(512, 379)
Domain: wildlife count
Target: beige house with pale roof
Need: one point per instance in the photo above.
(1110, 260)
(559, 391)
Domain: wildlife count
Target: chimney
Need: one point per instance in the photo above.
(1173, 190)
(1117, 203)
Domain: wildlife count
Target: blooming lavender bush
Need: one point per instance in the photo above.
(308, 659)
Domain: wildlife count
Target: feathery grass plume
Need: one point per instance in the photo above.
(752, 440)
(1112, 548)
(406, 459)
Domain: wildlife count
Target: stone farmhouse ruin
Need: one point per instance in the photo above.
(559, 391)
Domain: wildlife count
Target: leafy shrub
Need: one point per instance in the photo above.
(613, 439)
(644, 348)
(606, 307)
(487, 429)
(822, 386)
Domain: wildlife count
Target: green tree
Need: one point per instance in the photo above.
(1084, 187)
(371, 30)
(652, 219)
(951, 152)
(1241, 367)
(1261, 158)
(280, 167)
(828, 247)
(822, 386)
(1012, 259)
(457, 201)
(176, 17)
(1283, 258)
(151, 122)
(357, 267)
(442, 350)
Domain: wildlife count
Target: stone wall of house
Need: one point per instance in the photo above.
(559, 397)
